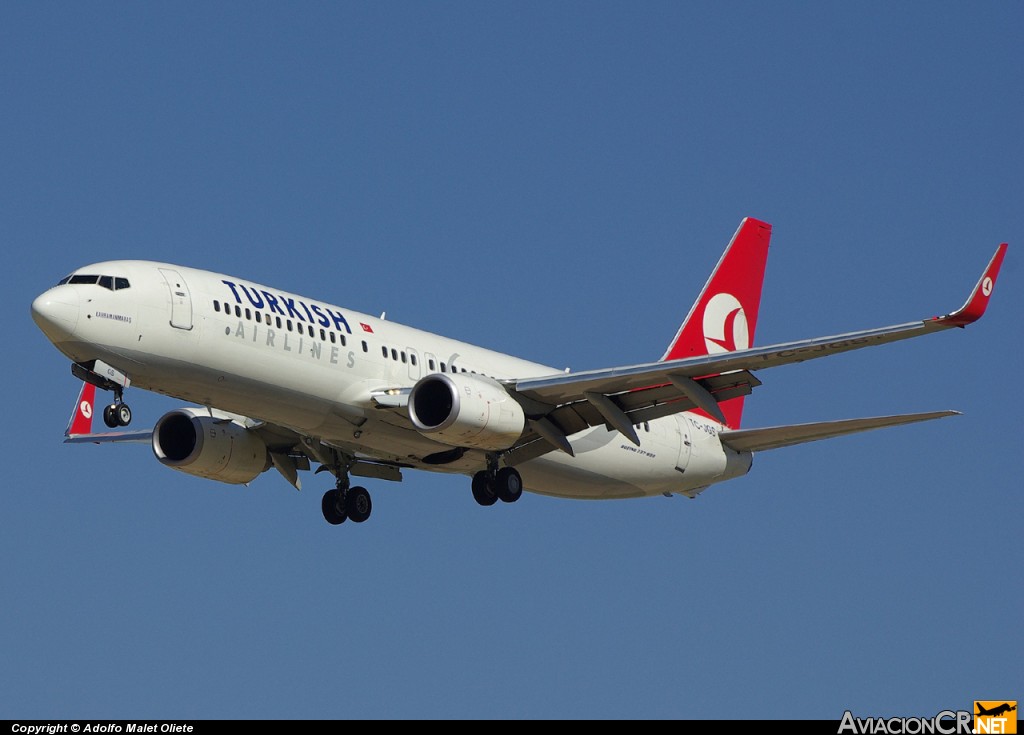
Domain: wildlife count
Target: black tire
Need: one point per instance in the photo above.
(357, 504)
(329, 506)
(483, 492)
(508, 485)
(123, 414)
(110, 416)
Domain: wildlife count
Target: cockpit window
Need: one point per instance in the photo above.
(108, 282)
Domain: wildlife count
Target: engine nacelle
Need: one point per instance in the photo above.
(192, 441)
(466, 410)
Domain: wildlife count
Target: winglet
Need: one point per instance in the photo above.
(978, 300)
(81, 419)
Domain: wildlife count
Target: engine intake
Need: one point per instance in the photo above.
(465, 410)
(215, 448)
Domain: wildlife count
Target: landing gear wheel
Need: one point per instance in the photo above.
(357, 504)
(123, 414)
(483, 492)
(329, 505)
(110, 416)
(508, 485)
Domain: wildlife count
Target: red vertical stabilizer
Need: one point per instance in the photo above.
(724, 317)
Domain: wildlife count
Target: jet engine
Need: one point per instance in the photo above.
(466, 410)
(196, 443)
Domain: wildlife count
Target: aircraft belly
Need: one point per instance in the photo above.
(606, 466)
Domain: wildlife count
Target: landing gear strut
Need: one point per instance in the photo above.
(490, 486)
(344, 502)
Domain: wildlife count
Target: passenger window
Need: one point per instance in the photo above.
(289, 324)
(412, 359)
(366, 347)
(259, 317)
(248, 315)
(342, 340)
(333, 338)
(403, 356)
(430, 362)
(238, 311)
(384, 351)
(394, 354)
(443, 368)
(216, 306)
(278, 322)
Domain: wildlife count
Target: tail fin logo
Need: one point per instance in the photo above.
(725, 325)
(986, 286)
(81, 416)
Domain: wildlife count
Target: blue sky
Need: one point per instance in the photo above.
(555, 180)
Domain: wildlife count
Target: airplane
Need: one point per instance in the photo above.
(1002, 709)
(284, 381)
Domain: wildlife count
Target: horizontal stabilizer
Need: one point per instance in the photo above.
(773, 437)
(139, 437)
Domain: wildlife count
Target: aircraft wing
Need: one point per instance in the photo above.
(562, 404)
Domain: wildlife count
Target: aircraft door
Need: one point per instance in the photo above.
(414, 364)
(683, 432)
(181, 299)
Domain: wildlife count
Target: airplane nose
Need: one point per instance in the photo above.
(56, 312)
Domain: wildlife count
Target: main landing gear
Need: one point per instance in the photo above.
(352, 504)
(344, 502)
(490, 486)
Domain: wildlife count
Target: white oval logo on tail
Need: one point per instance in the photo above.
(986, 286)
(86, 409)
(725, 325)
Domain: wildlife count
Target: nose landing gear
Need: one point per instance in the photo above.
(117, 414)
(105, 377)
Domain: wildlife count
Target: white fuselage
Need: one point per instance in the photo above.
(312, 367)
